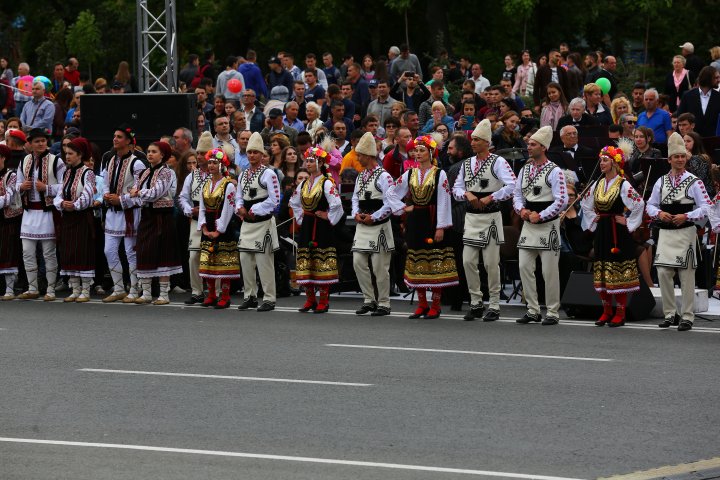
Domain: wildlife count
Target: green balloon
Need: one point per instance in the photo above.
(604, 85)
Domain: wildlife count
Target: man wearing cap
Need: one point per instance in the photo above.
(40, 111)
(189, 200)
(274, 124)
(39, 180)
(677, 202)
(123, 217)
(373, 202)
(16, 140)
(539, 197)
(483, 181)
(692, 61)
(258, 196)
(279, 76)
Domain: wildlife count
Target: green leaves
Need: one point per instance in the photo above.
(83, 38)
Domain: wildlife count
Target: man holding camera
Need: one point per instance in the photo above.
(410, 90)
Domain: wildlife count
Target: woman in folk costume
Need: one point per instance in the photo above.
(10, 218)
(430, 262)
(317, 208)
(604, 211)
(157, 254)
(76, 238)
(219, 258)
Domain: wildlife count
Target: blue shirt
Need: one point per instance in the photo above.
(660, 123)
(38, 114)
(253, 78)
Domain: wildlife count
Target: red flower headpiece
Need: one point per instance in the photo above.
(616, 155)
(219, 155)
(316, 152)
(427, 141)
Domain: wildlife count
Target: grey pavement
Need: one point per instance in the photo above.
(625, 399)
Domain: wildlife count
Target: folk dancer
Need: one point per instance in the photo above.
(189, 200)
(76, 232)
(483, 181)
(10, 217)
(539, 197)
(317, 208)
(430, 263)
(39, 180)
(219, 257)
(157, 254)
(121, 223)
(373, 201)
(604, 208)
(258, 196)
(678, 201)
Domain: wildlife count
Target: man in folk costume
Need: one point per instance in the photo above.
(317, 207)
(258, 195)
(189, 200)
(76, 239)
(678, 201)
(430, 263)
(39, 180)
(373, 201)
(483, 181)
(539, 197)
(10, 217)
(615, 270)
(121, 223)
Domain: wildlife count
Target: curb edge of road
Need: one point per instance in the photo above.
(699, 470)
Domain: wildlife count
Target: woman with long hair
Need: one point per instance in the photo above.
(317, 208)
(124, 76)
(278, 142)
(643, 138)
(699, 162)
(525, 77)
(219, 257)
(289, 161)
(76, 242)
(62, 104)
(367, 68)
(508, 136)
(619, 107)
(615, 267)
(554, 106)
(430, 263)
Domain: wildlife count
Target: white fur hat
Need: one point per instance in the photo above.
(255, 143)
(676, 145)
(205, 143)
(367, 145)
(543, 136)
(483, 131)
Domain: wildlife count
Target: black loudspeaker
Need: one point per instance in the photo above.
(152, 115)
(580, 299)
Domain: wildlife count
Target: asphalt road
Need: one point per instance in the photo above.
(483, 400)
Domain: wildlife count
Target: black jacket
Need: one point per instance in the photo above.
(705, 123)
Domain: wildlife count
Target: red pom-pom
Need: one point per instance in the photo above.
(615, 250)
(429, 241)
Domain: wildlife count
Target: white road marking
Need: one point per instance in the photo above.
(285, 458)
(470, 352)
(225, 377)
(449, 316)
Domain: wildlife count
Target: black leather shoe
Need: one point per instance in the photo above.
(249, 302)
(419, 313)
(380, 311)
(473, 313)
(266, 307)
(667, 323)
(365, 308)
(528, 318)
(491, 316)
(676, 320)
(550, 321)
(684, 326)
(305, 309)
(324, 309)
(195, 299)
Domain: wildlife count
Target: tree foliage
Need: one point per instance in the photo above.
(83, 38)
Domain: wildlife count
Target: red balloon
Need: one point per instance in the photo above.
(234, 85)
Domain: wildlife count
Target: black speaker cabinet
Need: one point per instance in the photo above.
(152, 115)
(580, 299)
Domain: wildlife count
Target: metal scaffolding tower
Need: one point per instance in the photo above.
(157, 37)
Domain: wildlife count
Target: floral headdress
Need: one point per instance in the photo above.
(219, 155)
(428, 142)
(618, 154)
(318, 153)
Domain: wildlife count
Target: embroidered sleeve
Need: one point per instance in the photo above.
(444, 209)
(185, 197)
(458, 190)
(228, 210)
(335, 210)
(559, 190)
(159, 189)
(10, 191)
(505, 173)
(633, 202)
(702, 202)
(86, 198)
(391, 202)
(268, 205)
(518, 198)
(653, 204)
(201, 214)
(588, 209)
(296, 204)
(355, 200)
(401, 186)
(54, 189)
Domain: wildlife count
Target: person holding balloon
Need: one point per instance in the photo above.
(40, 111)
(430, 263)
(595, 107)
(230, 82)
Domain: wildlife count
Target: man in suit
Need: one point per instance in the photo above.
(551, 72)
(569, 156)
(577, 116)
(704, 102)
